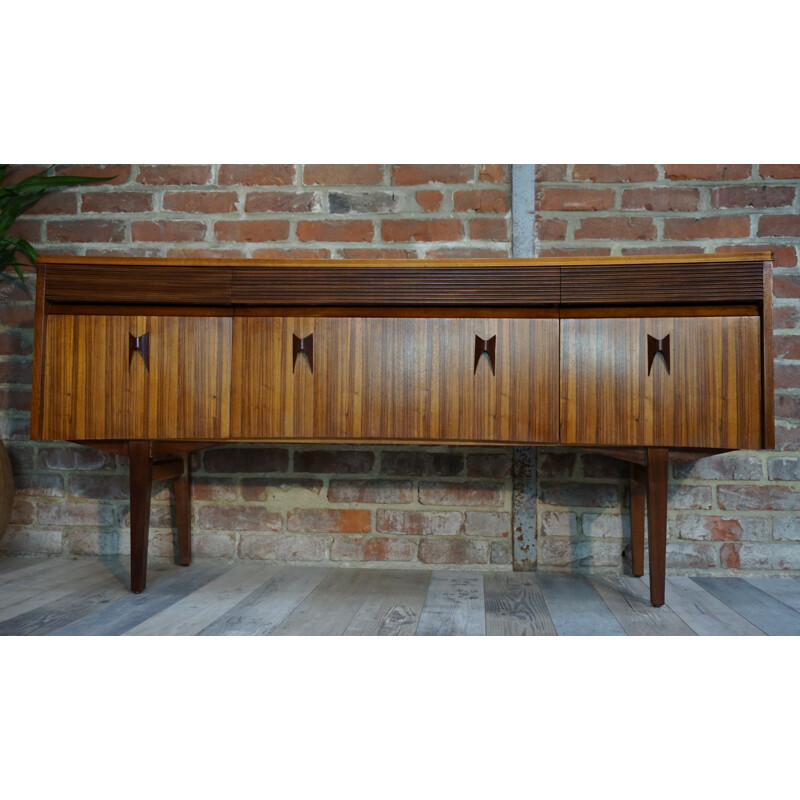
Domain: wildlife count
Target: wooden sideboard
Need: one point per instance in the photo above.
(649, 359)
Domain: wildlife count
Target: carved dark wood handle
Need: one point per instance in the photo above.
(654, 347)
(140, 345)
(487, 346)
(305, 346)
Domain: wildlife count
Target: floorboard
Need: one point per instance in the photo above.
(784, 589)
(393, 605)
(515, 605)
(576, 607)
(12, 564)
(762, 610)
(454, 605)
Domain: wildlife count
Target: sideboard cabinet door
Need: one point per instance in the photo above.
(137, 377)
(396, 379)
(661, 381)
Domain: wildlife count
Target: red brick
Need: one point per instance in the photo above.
(492, 201)
(783, 255)
(557, 465)
(779, 225)
(786, 286)
(378, 548)
(574, 252)
(204, 252)
(787, 347)
(752, 196)
(342, 174)
(117, 202)
(464, 493)
(785, 316)
(787, 406)
(787, 437)
(414, 174)
(330, 520)
(493, 173)
(549, 230)
(116, 173)
(19, 172)
(296, 252)
(429, 199)
(575, 199)
(283, 202)
(167, 231)
(353, 491)
(787, 376)
(266, 230)
(15, 399)
(489, 465)
(282, 548)
(246, 459)
(421, 463)
(214, 488)
(63, 202)
(661, 251)
(729, 555)
(15, 372)
(662, 198)
(579, 495)
(494, 230)
(200, 202)
(616, 228)
(419, 523)
(348, 462)
(408, 230)
(614, 173)
(167, 174)
(599, 466)
(779, 171)
(373, 252)
(328, 230)
(707, 172)
(690, 555)
(453, 551)
(214, 545)
(22, 512)
(706, 228)
(488, 523)
(256, 174)
(86, 230)
(467, 252)
(266, 489)
(744, 497)
(63, 512)
(550, 172)
(19, 314)
(15, 343)
(238, 518)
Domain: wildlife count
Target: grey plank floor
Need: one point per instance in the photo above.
(87, 597)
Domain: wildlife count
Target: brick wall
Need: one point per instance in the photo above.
(739, 510)
(433, 505)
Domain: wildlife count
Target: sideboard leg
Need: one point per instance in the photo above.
(183, 513)
(141, 485)
(657, 476)
(638, 489)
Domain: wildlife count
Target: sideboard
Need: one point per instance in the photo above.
(650, 359)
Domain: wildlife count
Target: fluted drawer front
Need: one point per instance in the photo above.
(397, 379)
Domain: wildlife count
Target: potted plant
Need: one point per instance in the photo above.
(15, 199)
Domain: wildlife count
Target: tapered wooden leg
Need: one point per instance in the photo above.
(141, 486)
(183, 514)
(657, 475)
(638, 490)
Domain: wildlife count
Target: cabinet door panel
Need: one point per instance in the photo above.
(95, 388)
(401, 379)
(710, 397)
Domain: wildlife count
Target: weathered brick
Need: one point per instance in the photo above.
(342, 174)
(253, 230)
(579, 495)
(614, 173)
(787, 347)
(661, 198)
(429, 199)
(160, 516)
(686, 497)
(453, 551)
(770, 556)
(550, 172)
(785, 317)
(493, 230)
(550, 230)
(73, 457)
(742, 497)
(575, 199)
(779, 225)
(415, 174)
(787, 437)
(786, 286)
(20, 454)
(599, 466)
(787, 376)
(419, 523)
(557, 465)
(282, 548)
(493, 173)
(787, 406)
(558, 552)
(268, 489)
(349, 462)
(246, 459)
(616, 228)
(22, 512)
(86, 230)
(500, 552)
(330, 520)
(370, 491)
(421, 230)
(363, 202)
(706, 172)
(214, 545)
(421, 463)
(488, 523)
(493, 201)
(605, 526)
(690, 555)
(779, 171)
(724, 467)
(489, 465)
(335, 230)
(167, 174)
(282, 202)
(98, 543)
(38, 484)
(99, 487)
(200, 202)
(168, 230)
(238, 518)
(214, 488)
(63, 512)
(784, 469)
(729, 555)
(721, 529)
(752, 196)
(376, 548)
(462, 493)
(786, 529)
(31, 540)
(116, 202)
(688, 228)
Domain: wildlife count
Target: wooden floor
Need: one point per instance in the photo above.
(90, 597)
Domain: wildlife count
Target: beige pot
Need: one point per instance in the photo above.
(6, 488)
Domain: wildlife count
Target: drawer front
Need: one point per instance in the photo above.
(137, 377)
(395, 379)
(669, 381)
